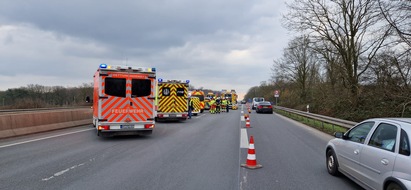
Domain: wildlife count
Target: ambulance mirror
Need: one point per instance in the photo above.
(88, 99)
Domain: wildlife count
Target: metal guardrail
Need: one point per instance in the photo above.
(334, 121)
(40, 109)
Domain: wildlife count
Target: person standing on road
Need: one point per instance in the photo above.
(190, 108)
(218, 105)
(228, 105)
(212, 108)
(224, 104)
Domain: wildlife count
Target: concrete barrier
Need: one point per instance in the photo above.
(17, 124)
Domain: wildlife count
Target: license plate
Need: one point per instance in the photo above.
(172, 115)
(127, 126)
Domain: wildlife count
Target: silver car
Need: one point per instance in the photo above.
(375, 154)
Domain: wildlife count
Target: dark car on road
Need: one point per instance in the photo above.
(264, 107)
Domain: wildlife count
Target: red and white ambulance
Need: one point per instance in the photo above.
(124, 100)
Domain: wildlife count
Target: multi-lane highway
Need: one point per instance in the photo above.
(201, 153)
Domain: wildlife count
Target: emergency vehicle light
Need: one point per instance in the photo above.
(187, 81)
(153, 69)
(103, 66)
(160, 80)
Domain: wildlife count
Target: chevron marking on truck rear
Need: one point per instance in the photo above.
(173, 103)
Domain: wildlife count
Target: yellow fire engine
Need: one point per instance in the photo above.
(124, 100)
(172, 100)
(196, 105)
(233, 100)
(201, 97)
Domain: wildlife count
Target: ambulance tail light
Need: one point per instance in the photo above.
(148, 126)
(185, 115)
(104, 127)
(160, 115)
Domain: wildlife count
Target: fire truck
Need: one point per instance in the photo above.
(231, 97)
(196, 105)
(124, 100)
(233, 100)
(172, 100)
(201, 97)
(209, 96)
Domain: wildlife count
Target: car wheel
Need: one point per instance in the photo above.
(332, 163)
(393, 186)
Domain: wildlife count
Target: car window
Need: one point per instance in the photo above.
(360, 132)
(384, 137)
(404, 144)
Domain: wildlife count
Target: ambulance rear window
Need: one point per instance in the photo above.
(141, 87)
(115, 87)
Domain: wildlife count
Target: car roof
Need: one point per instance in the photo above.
(395, 119)
(404, 122)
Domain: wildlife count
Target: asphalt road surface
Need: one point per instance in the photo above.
(204, 152)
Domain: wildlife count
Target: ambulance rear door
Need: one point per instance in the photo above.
(126, 99)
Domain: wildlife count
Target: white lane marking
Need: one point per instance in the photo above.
(242, 118)
(199, 115)
(244, 139)
(44, 138)
(62, 172)
(242, 112)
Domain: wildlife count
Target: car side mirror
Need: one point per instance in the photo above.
(339, 135)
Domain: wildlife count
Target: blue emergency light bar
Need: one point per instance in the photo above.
(103, 66)
(187, 81)
(160, 80)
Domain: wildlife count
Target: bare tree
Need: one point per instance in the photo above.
(297, 65)
(398, 15)
(352, 27)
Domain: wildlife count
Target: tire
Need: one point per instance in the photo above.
(393, 186)
(332, 163)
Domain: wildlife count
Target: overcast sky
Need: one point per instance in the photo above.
(216, 44)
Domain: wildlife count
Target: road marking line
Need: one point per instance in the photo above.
(44, 138)
(244, 139)
(242, 118)
(62, 172)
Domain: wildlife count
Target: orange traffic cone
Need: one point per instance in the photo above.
(251, 158)
(247, 123)
(249, 110)
(245, 116)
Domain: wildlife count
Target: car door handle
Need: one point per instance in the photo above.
(384, 161)
(356, 151)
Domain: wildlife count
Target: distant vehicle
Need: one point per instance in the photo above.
(201, 96)
(255, 101)
(375, 154)
(196, 105)
(264, 107)
(243, 102)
